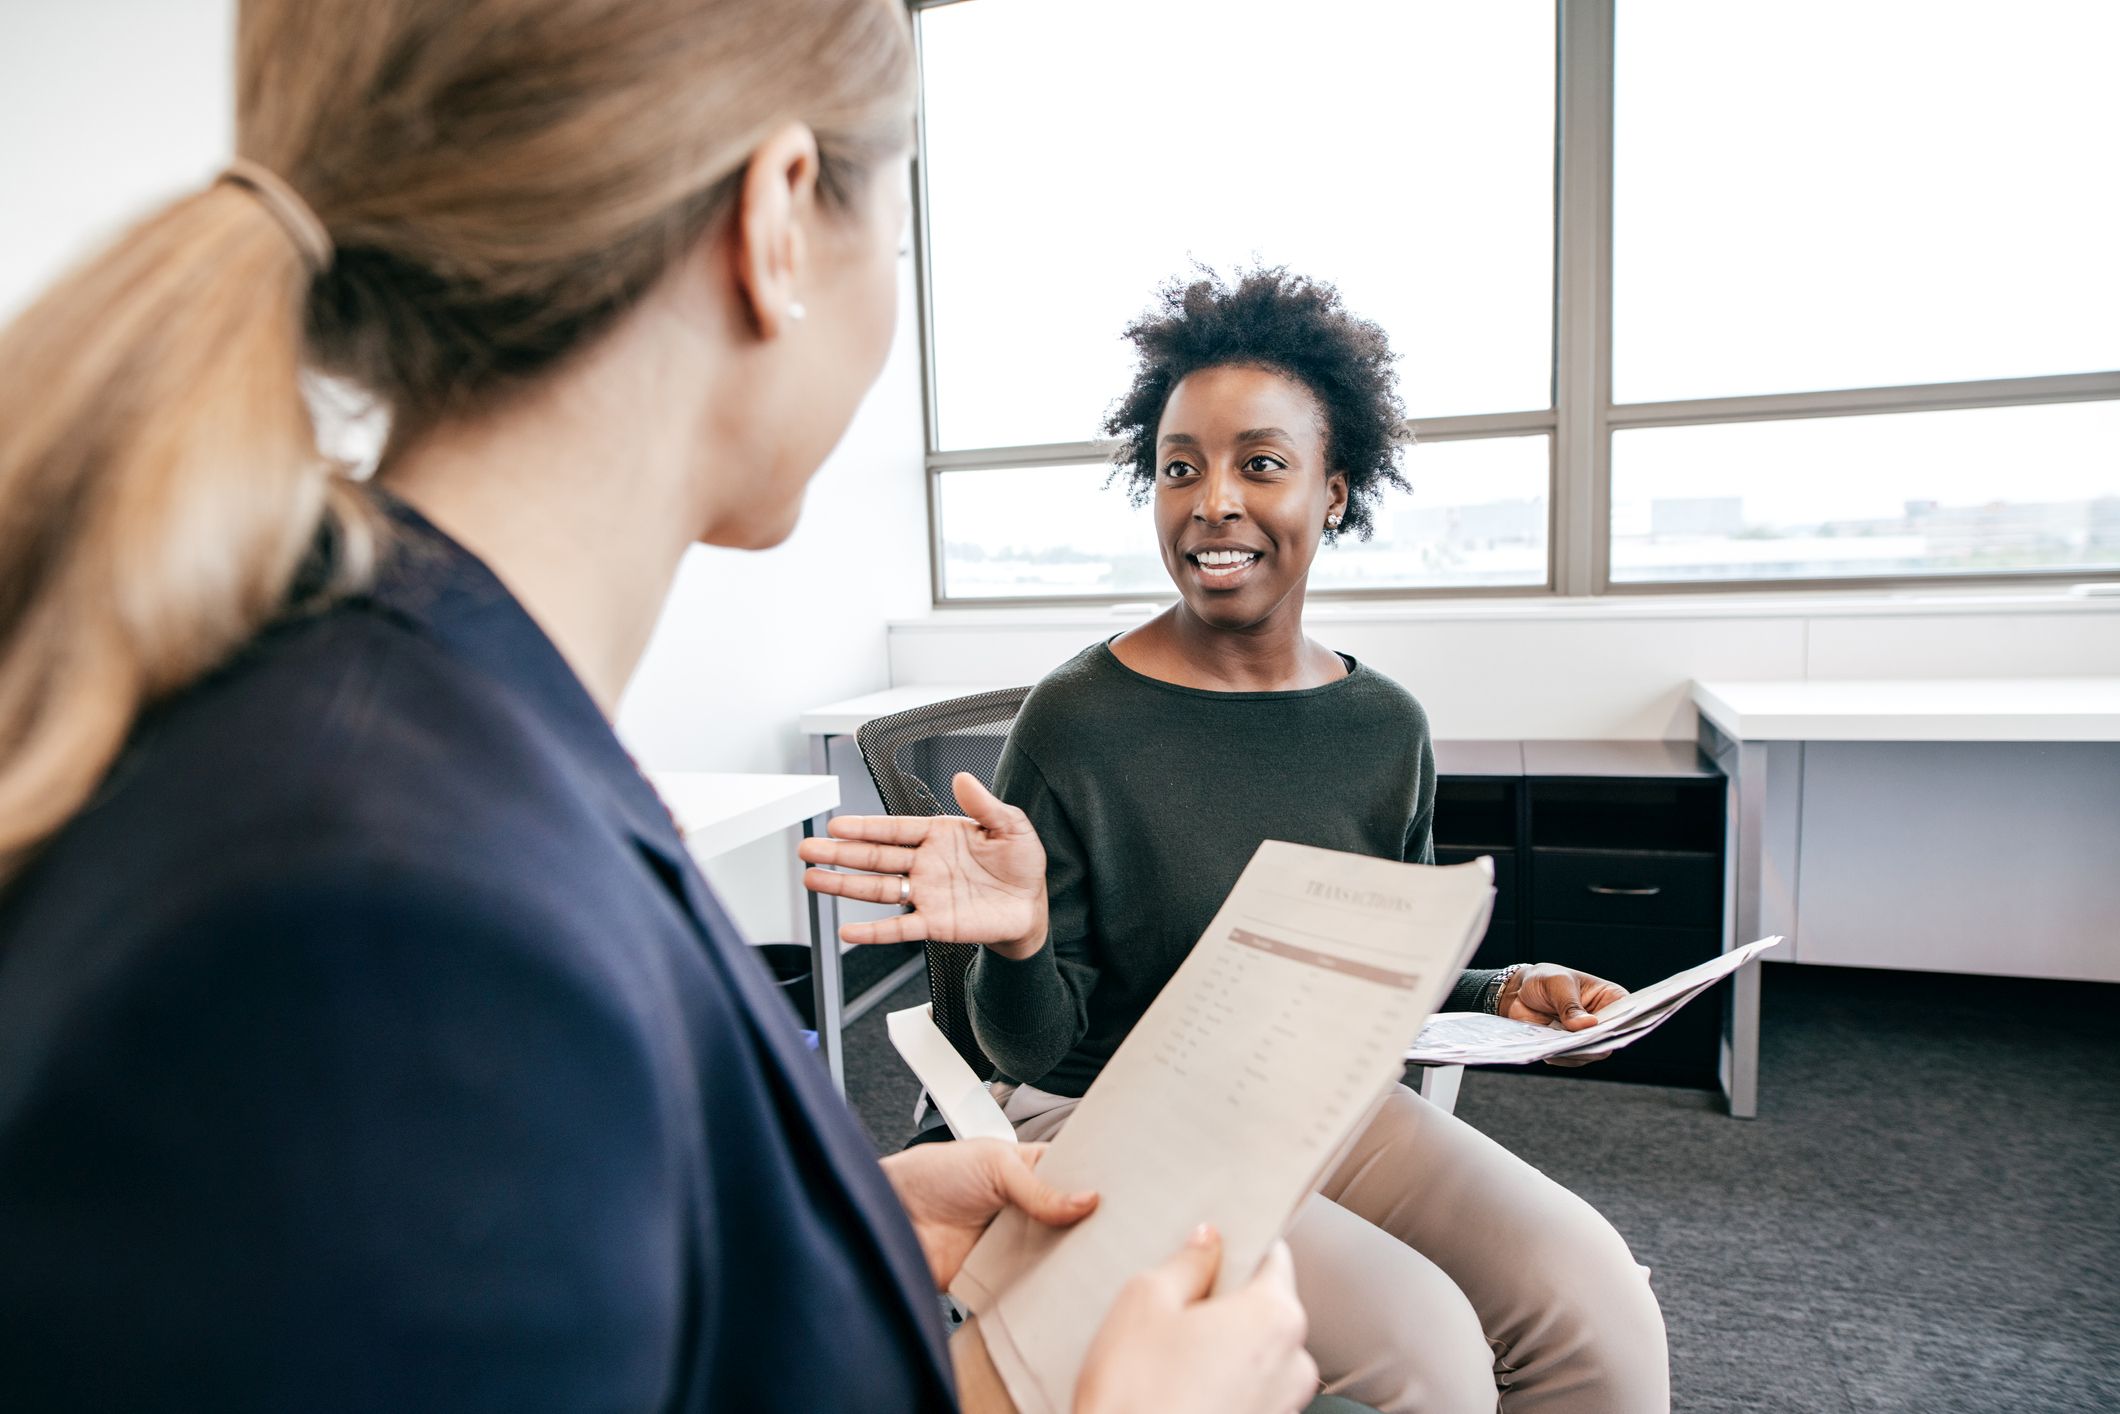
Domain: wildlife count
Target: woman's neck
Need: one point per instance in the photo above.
(1273, 655)
(581, 500)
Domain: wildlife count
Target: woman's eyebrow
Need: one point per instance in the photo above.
(1183, 439)
(1264, 434)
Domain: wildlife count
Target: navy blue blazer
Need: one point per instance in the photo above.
(371, 1043)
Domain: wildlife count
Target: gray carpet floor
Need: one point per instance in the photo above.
(1925, 1216)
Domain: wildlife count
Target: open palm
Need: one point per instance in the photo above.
(977, 878)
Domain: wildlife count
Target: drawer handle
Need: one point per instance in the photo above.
(1645, 891)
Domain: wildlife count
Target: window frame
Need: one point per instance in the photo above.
(1580, 417)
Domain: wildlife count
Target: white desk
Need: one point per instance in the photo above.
(1755, 731)
(717, 812)
(1915, 709)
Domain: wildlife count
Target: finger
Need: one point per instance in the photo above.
(1188, 1274)
(898, 928)
(1299, 1382)
(1039, 1200)
(1031, 1153)
(990, 810)
(1273, 1290)
(1565, 997)
(869, 888)
(883, 829)
(846, 854)
(1276, 1273)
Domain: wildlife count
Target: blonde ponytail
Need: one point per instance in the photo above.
(159, 485)
(440, 204)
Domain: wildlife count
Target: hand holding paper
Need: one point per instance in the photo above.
(1472, 1038)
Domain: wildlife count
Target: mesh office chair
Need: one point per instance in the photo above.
(913, 756)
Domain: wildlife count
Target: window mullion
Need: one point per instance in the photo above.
(1583, 299)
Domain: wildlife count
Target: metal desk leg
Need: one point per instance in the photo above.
(825, 983)
(1747, 845)
(826, 978)
(827, 905)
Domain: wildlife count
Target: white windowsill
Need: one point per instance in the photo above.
(2044, 599)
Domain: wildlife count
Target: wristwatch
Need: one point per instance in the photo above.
(1491, 995)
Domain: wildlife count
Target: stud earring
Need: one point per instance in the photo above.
(1332, 522)
(795, 309)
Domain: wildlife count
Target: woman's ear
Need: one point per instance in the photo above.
(1335, 498)
(774, 205)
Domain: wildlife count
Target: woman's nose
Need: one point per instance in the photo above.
(1221, 499)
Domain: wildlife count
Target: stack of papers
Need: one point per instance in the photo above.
(1474, 1038)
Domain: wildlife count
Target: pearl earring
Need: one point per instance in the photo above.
(795, 309)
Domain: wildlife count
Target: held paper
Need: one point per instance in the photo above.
(1245, 1079)
(1474, 1038)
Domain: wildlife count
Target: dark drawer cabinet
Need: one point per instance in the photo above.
(1498, 948)
(1625, 886)
(1505, 874)
(1608, 859)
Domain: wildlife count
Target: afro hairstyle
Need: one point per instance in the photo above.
(1297, 327)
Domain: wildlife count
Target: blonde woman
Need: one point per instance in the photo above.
(367, 1040)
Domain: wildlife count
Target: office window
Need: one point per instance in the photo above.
(1080, 152)
(1815, 194)
(1477, 516)
(1962, 492)
(1686, 296)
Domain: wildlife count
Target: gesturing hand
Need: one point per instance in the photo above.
(1542, 994)
(973, 879)
(952, 1191)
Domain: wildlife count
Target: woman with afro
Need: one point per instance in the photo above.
(1441, 1272)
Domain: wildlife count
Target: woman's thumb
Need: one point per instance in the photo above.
(1567, 997)
(1188, 1274)
(1041, 1200)
(990, 810)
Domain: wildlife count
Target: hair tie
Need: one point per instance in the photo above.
(286, 207)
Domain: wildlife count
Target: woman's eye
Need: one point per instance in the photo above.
(1177, 469)
(1262, 463)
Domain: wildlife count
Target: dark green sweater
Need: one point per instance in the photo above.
(1150, 799)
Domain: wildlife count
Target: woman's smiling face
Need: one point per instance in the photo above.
(1242, 491)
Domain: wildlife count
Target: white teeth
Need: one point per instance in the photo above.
(1225, 559)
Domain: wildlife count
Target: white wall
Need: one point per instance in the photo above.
(108, 107)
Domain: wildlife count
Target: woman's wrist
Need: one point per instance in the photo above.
(1017, 949)
(1500, 992)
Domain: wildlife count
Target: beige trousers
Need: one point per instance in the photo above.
(1444, 1274)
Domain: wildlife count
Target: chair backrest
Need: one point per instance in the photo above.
(913, 756)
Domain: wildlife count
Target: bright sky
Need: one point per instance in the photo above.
(1080, 153)
(1825, 194)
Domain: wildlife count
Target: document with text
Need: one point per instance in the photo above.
(1247, 1078)
(1474, 1038)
